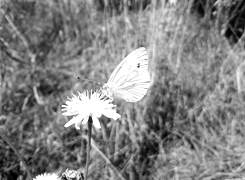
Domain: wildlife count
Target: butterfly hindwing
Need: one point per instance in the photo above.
(130, 80)
(135, 89)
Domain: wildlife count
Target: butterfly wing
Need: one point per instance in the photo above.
(134, 89)
(137, 58)
(131, 79)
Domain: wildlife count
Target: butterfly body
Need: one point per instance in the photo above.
(131, 79)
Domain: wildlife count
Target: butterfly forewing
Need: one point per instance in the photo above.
(137, 59)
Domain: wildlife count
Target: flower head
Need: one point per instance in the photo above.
(47, 176)
(86, 104)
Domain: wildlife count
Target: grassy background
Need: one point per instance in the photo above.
(189, 126)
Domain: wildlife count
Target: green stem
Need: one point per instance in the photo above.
(3, 134)
(90, 121)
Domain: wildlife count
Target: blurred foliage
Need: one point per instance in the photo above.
(190, 124)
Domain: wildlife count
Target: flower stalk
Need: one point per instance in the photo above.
(90, 121)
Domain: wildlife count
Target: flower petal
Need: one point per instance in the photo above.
(85, 120)
(111, 114)
(96, 122)
(74, 120)
(77, 125)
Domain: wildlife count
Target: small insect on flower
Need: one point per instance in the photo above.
(47, 176)
(83, 105)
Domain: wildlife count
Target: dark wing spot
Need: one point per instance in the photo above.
(138, 65)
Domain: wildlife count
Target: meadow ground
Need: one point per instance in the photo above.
(190, 125)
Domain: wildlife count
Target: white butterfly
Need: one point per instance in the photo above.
(131, 79)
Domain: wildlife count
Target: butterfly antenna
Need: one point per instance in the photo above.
(77, 77)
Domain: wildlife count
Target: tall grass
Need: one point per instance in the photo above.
(189, 126)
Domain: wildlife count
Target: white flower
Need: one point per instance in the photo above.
(86, 104)
(47, 176)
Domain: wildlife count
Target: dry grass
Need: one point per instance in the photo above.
(189, 126)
